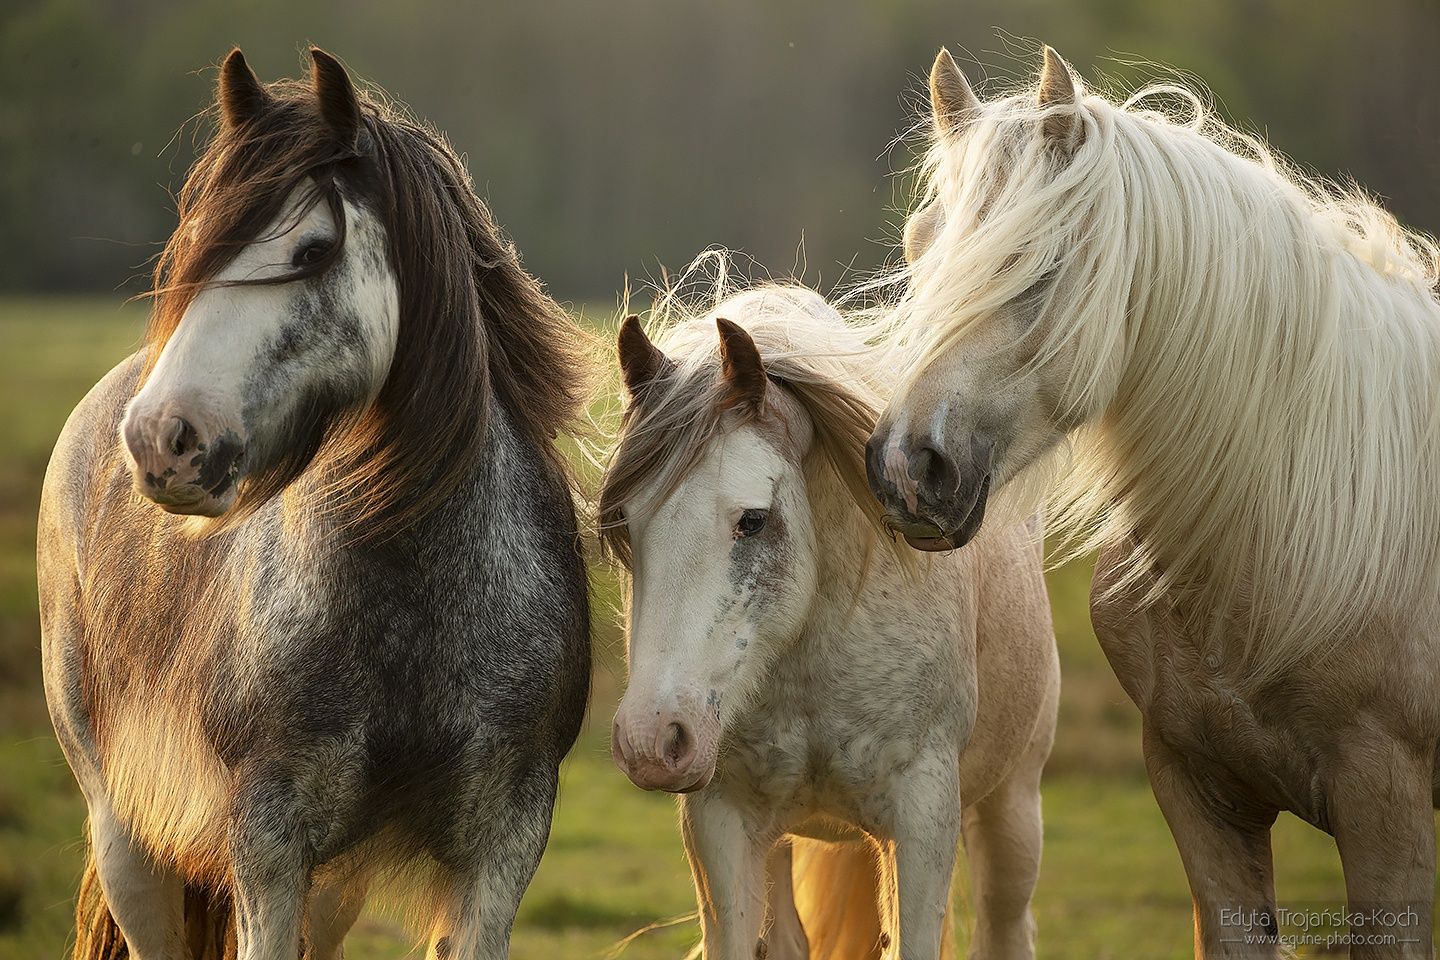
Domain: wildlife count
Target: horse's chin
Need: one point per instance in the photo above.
(936, 540)
(193, 501)
(931, 544)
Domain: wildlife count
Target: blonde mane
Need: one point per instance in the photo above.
(808, 349)
(1256, 357)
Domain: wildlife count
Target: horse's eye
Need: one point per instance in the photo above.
(310, 253)
(750, 523)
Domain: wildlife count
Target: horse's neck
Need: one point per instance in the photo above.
(497, 473)
(1278, 460)
(854, 564)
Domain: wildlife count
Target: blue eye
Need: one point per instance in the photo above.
(750, 523)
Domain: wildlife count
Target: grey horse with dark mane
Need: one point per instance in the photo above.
(356, 637)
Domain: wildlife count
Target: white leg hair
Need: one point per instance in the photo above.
(271, 875)
(477, 921)
(146, 900)
(268, 910)
(926, 832)
(728, 862)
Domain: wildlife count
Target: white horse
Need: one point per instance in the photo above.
(792, 676)
(1247, 366)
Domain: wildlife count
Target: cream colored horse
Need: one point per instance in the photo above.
(793, 677)
(1244, 368)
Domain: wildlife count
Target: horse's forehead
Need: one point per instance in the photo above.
(739, 467)
(748, 458)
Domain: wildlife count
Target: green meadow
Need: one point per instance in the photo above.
(1111, 885)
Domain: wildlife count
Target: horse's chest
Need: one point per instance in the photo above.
(398, 667)
(805, 751)
(1243, 746)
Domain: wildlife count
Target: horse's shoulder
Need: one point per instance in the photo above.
(1117, 596)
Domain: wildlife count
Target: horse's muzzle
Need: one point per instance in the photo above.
(934, 501)
(663, 750)
(184, 462)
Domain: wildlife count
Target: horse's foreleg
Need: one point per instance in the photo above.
(926, 830)
(1226, 854)
(1380, 812)
(270, 871)
(786, 936)
(476, 920)
(147, 900)
(1003, 839)
(727, 859)
(335, 903)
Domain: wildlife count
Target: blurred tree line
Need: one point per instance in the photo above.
(613, 137)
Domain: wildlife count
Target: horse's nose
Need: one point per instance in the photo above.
(663, 749)
(180, 437)
(678, 749)
(162, 446)
(185, 462)
(935, 474)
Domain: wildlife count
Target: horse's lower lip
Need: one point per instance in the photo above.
(930, 544)
(699, 783)
(928, 535)
(190, 502)
(909, 527)
(921, 536)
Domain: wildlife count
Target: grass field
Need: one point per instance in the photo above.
(1111, 884)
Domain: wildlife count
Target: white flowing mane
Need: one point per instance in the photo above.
(1258, 354)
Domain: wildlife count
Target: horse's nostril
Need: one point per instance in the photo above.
(934, 472)
(183, 437)
(679, 746)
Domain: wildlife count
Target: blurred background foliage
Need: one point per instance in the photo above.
(611, 137)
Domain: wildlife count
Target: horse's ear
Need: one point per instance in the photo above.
(339, 106)
(952, 102)
(741, 369)
(1057, 89)
(640, 360)
(241, 95)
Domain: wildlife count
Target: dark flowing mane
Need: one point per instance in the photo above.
(473, 324)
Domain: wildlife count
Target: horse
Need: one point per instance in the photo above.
(312, 603)
(1242, 364)
(791, 677)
